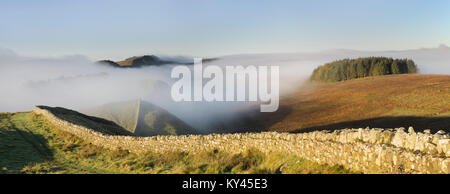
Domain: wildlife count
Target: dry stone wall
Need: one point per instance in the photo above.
(364, 150)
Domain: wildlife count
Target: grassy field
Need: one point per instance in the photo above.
(421, 101)
(28, 144)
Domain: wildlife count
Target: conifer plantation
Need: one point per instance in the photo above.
(347, 69)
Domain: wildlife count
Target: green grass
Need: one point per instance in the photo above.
(18, 147)
(28, 144)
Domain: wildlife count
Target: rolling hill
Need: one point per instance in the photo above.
(142, 118)
(150, 60)
(137, 61)
(421, 101)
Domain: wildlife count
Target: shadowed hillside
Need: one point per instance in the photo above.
(98, 124)
(123, 113)
(142, 118)
(154, 120)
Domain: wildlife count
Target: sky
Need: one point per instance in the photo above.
(110, 29)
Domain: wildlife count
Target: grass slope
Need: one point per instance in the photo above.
(421, 101)
(29, 144)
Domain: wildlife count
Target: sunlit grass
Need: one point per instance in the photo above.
(62, 152)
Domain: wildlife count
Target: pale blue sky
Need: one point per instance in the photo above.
(117, 29)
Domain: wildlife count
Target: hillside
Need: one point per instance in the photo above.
(421, 101)
(142, 118)
(348, 69)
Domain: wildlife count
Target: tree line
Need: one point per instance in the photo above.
(347, 69)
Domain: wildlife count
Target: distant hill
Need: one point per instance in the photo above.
(142, 118)
(362, 67)
(146, 60)
(137, 61)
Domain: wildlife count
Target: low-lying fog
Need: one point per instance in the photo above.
(76, 82)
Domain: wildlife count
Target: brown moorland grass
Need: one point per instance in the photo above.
(421, 101)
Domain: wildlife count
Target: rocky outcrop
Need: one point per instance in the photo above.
(365, 150)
